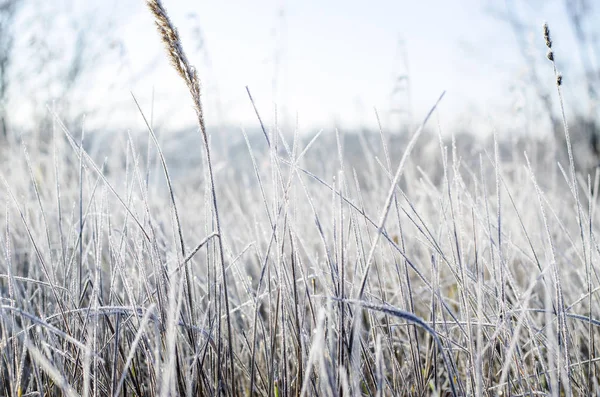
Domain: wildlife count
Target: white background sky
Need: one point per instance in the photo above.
(336, 59)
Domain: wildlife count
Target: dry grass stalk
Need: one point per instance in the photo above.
(187, 72)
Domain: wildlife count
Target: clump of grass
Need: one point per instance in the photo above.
(350, 278)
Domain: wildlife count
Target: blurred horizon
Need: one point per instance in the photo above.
(308, 64)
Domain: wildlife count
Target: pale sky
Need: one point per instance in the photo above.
(328, 63)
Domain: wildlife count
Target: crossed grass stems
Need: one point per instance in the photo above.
(179, 61)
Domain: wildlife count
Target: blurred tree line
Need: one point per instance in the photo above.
(50, 53)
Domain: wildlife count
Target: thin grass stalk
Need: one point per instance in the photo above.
(588, 281)
(299, 349)
(179, 61)
(80, 267)
(58, 200)
(39, 199)
(575, 191)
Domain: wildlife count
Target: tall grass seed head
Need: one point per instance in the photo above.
(547, 36)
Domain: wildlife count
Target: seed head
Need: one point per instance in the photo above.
(547, 36)
(559, 79)
(550, 55)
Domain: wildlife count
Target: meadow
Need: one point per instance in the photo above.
(402, 267)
